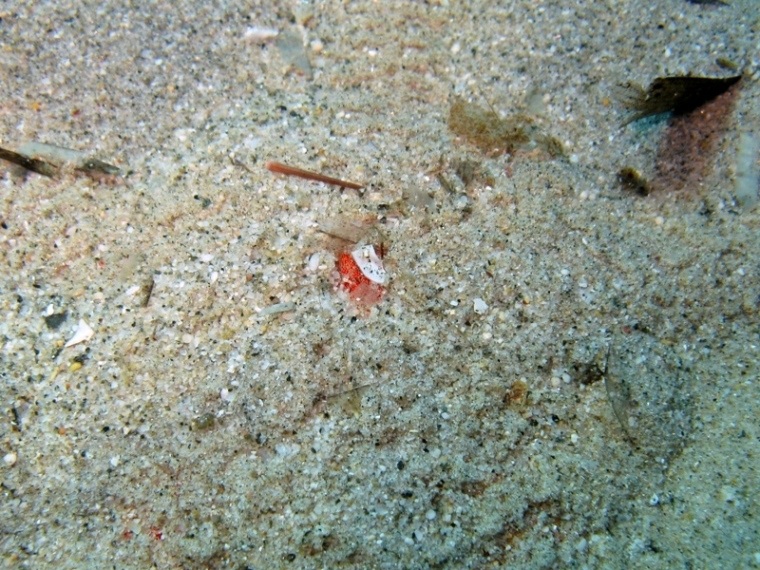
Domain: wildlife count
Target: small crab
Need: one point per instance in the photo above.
(361, 275)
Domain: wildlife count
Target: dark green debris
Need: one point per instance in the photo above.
(33, 164)
(632, 180)
(55, 320)
(678, 95)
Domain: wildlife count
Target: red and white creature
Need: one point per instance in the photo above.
(362, 276)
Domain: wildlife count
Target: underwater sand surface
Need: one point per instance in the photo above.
(560, 373)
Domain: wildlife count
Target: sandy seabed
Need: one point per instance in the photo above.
(561, 374)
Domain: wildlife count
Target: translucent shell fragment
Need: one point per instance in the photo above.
(362, 275)
(83, 333)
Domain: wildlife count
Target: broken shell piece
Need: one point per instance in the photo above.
(370, 264)
(290, 45)
(479, 305)
(259, 34)
(83, 333)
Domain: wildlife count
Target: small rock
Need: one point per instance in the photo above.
(55, 320)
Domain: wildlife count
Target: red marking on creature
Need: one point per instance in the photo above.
(362, 276)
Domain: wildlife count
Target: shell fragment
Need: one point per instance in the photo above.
(83, 333)
(370, 264)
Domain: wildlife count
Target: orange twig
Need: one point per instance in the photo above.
(281, 168)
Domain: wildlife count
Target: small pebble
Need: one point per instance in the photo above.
(10, 459)
(313, 263)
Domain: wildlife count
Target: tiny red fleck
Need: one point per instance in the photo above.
(156, 533)
(127, 534)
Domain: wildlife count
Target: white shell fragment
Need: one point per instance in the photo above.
(313, 263)
(83, 333)
(259, 34)
(370, 264)
(479, 305)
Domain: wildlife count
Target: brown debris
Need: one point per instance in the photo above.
(633, 180)
(517, 395)
(690, 140)
(32, 164)
(51, 160)
(493, 135)
(700, 108)
(280, 168)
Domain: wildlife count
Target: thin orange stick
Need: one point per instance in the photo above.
(281, 168)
